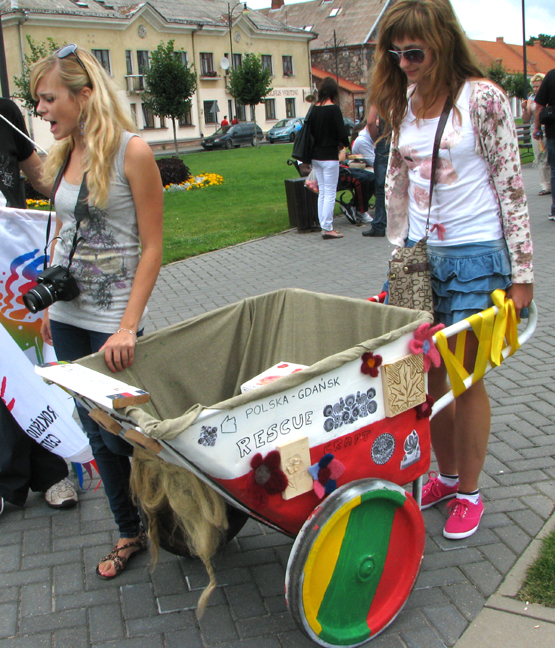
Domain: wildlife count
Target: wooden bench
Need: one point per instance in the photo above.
(524, 132)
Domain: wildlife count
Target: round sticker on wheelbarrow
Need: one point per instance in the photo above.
(383, 449)
(354, 563)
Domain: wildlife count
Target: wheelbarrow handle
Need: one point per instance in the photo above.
(457, 328)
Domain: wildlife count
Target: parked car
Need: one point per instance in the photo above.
(349, 125)
(285, 130)
(232, 136)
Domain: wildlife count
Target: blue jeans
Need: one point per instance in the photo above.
(110, 452)
(550, 145)
(380, 169)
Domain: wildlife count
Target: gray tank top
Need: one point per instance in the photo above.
(106, 260)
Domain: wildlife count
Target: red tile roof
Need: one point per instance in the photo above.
(538, 58)
(349, 86)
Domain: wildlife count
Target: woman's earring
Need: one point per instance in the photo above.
(82, 127)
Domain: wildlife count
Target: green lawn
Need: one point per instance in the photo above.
(539, 586)
(249, 204)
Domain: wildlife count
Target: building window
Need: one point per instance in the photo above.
(290, 109)
(334, 12)
(308, 27)
(359, 109)
(210, 112)
(207, 64)
(237, 61)
(187, 120)
(287, 65)
(128, 62)
(133, 107)
(267, 63)
(182, 58)
(142, 61)
(240, 111)
(103, 57)
(270, 109)
(148, 117)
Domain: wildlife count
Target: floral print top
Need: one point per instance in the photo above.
(497, 143)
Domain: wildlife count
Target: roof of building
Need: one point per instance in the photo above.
(344, 84)
(205, 12)
(354, 21)
(538, 58)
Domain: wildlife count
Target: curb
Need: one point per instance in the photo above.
(507, 621)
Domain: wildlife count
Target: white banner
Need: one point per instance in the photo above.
(44, 412)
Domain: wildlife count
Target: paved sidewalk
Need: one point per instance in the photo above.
(50, 596)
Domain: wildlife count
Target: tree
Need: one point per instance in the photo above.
(39, 50)
(545, 40)
(513, 84)
(170, 85)
(250, 83)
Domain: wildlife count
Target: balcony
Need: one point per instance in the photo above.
(135, 83)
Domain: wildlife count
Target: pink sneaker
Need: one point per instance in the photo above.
(464, 518)
(435, 491)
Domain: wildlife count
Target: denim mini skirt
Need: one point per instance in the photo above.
(464, 276)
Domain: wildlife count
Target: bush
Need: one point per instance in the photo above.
(33, 194)
(173, 170)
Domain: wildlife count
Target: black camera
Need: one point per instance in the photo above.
(53, 284)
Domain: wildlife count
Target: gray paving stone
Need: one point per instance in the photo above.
(516, 539)
(33, 641)
(189, 638)
(500, 556)
(217, 625)
(245, 601)
(10, 558)
(448, 622)
(51, 622)
(138, 601)
(422, 638)
(71, 638)
(466, 598)
(36, 599)
(268, 624)
(269, 578)
(105, 623)
(484, 576)
(86, 599)
(154, 641)
(8, 619)
(162, 623)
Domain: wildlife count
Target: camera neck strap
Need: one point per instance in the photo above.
(80, 212)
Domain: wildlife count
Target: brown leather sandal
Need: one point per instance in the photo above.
(120, 562)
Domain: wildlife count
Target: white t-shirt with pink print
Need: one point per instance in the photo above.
(464, 203)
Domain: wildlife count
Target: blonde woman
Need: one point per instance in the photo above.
(538, 146)
(480, 236)
(118, 249)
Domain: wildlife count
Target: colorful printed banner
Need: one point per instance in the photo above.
(44, 412)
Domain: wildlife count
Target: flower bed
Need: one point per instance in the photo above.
(197, 182)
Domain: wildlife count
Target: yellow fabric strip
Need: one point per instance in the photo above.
(493, 332)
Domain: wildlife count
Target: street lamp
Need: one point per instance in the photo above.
(336, 44)
(230, 11)
(3, 66)
(524, 52)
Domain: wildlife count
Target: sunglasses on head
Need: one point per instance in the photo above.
(410, 55)
(68, 50)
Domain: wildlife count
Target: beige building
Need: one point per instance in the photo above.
(213, 35)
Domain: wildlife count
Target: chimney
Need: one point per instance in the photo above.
(499, 39)
(277, 4)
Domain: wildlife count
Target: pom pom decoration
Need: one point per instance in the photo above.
(424, 410)
(266, 478)
(422, 343)
(325, 474)
(370, 364)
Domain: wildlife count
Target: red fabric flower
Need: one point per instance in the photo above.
(424, 410)
(370, 364)
(266, 478)
(423, 343)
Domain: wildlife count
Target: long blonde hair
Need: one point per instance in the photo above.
(103, 120)
(434, 22)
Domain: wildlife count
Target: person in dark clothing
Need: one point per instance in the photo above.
(546, 97)
(24, 464)
(330, 136)
(376, 128)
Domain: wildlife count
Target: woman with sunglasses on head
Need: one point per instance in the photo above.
(119, 247)
(479, 227)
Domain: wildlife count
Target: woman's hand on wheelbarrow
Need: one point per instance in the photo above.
(522, 295)
(119, 349)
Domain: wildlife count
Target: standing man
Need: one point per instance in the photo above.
(546, 97)
(224, 122)
(24, 464)
(375, 127)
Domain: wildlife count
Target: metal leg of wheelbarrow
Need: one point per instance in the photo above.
(417, 490)
(354, 563)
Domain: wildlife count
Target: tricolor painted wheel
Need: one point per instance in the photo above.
(355, 562)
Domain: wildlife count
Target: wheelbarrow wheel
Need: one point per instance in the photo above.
(174, 540)
(354, 563)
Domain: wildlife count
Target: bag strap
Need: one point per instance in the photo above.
(437, 141)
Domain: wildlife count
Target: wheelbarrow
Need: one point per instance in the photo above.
(322, 454)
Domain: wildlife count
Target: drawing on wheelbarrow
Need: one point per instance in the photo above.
(322, 454)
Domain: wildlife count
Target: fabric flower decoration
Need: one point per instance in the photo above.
(423, 343)
(266, 478)
(325, 474)
(440, 230)
(370, 364)
(424, 410)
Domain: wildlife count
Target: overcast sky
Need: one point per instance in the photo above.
(487, 19)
